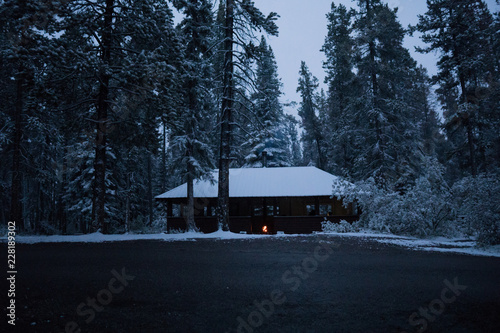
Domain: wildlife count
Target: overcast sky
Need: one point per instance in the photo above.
(302, 30)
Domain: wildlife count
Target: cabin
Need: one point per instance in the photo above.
(291, 200)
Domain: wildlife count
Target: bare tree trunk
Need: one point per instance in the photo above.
(127, 205)
(375, 93)
(226, 120)
(318, 140)
(371, 47)
(164, 159)
(150, 189)
(16, 208)
(190, 169)
(472, 152)
(102, 120)
(61, 207)
(190, 223)
(468, 126)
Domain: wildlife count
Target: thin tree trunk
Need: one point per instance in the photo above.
(226, 120)
(190, 223)
(190, 169)
(470, 143)
(375, 99)
(468, 126)
(127, 205)
(102, 119)
(463, 87)
(318, 147)
(164, 159)
(40, 207)
(371, 47)
(61, 210)
(150, 189)
(15, 204)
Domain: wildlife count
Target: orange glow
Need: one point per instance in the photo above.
(264, 229)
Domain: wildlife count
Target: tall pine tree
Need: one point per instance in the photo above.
(312, 139)
(190, 138)
(241, 20)
(461, 31)
(342, 89)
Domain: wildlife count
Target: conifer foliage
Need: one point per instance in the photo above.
(109, 104)
(269, 137)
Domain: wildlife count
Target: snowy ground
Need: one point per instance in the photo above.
(438, 244)
(98, 237)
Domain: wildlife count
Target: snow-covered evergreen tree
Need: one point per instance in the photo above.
(462, 32)
(98, 78)
(339, 133)
(312, 139)
(383, 124)
(268, 135)
(190, 142)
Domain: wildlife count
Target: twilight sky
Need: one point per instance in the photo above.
(302, 30)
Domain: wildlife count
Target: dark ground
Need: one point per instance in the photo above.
(205, 285)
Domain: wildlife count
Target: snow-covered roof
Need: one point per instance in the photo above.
(263, 182)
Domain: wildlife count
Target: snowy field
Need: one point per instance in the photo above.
(437, 244)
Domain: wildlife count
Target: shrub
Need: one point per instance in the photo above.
(425, 209)
(342, 227)
(477, 201)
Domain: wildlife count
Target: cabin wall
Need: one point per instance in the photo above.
(287, 214)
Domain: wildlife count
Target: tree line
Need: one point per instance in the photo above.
(427, 149)
(108, 102)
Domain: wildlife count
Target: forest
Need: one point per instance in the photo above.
(107, 103)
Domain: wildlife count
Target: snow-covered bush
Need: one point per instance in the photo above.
(46, 228)
(160, 221)
(342, 227)
(477, 203)
(425, 209)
